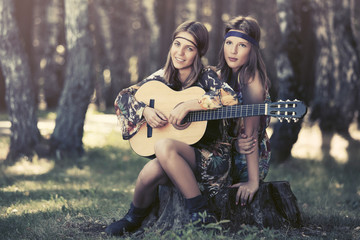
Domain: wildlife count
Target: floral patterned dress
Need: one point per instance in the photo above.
(213, 151)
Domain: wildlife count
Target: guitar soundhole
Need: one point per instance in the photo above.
(182, 126)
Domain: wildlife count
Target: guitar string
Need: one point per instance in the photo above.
(232, 112)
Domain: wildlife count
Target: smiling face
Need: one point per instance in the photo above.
(236, 52)
(183, 51)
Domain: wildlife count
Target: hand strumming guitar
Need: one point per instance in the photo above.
(181, 110)
(154, 117)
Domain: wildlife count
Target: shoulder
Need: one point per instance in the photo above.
(209, 72)
(158, 75)
(255, 88)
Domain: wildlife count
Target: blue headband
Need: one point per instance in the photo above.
(241, 35)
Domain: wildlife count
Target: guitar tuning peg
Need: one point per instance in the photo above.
(280, 119)
(288, 100)
(296, 120)
(288, 120)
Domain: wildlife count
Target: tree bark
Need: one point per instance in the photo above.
(48, 61)
(19, 90)
(165, 15)
(67, 136)
(153, 26)
(274, 205)
(2, 92)
(337, 66)
(292, 69)
(117, 48)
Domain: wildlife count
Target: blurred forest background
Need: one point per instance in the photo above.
(61, 55)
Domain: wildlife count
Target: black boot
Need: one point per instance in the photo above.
(199, 211)
(130, 222)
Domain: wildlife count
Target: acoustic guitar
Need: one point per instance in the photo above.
(156, 94)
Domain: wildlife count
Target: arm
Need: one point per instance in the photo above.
(132, 113)
(217, 94)
(245, 144)
(254, 93)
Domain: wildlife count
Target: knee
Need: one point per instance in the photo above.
(163, 149)
(151, 173)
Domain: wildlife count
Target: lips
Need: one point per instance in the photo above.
(179, 59)
(232, 59)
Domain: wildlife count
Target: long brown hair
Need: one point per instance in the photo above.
(246, 73)
(201, 36)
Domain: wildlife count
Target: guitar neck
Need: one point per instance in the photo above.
(234, 111)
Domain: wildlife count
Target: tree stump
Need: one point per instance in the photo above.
(273, 206)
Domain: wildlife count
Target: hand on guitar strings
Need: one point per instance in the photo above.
(154, 117)
(179, 112)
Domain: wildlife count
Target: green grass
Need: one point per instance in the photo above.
(76, 199)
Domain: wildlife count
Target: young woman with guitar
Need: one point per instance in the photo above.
(208, 161)
(242, 67)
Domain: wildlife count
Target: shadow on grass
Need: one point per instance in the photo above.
(61, 224)
(98, 162)
(70, 200)
(76, 198)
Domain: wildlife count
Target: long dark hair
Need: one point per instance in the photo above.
(246, 73)
(201, 36)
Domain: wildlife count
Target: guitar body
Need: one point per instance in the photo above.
(166, 99)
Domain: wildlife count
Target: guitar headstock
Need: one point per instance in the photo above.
(288, 110)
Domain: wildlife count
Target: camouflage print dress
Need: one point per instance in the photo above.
(213, 151)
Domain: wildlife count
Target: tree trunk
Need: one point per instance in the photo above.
(117, 48)
(165, 15)
(19, 90)
(274, 206)
(2, 92)
(337, 66)
(102, 37)
(74, 101)
(48, 61)
(291, 72)
(153, 25)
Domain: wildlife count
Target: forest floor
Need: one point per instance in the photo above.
(77, 198)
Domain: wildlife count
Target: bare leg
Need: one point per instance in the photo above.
(150, 177)
(177, 159)
(147, 182)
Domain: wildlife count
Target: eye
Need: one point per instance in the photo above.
(243, 45)
(176, 43)
(228, 42)
(190, 49)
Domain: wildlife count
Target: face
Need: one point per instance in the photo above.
(183, 51)
(236, 52)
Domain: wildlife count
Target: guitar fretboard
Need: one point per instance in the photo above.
(234, 111)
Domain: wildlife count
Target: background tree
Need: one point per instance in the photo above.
(74, 101)
(336, 95)
(310, 48)
(48, 50)
(294, 67)
(19, 89)
(2, 92)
